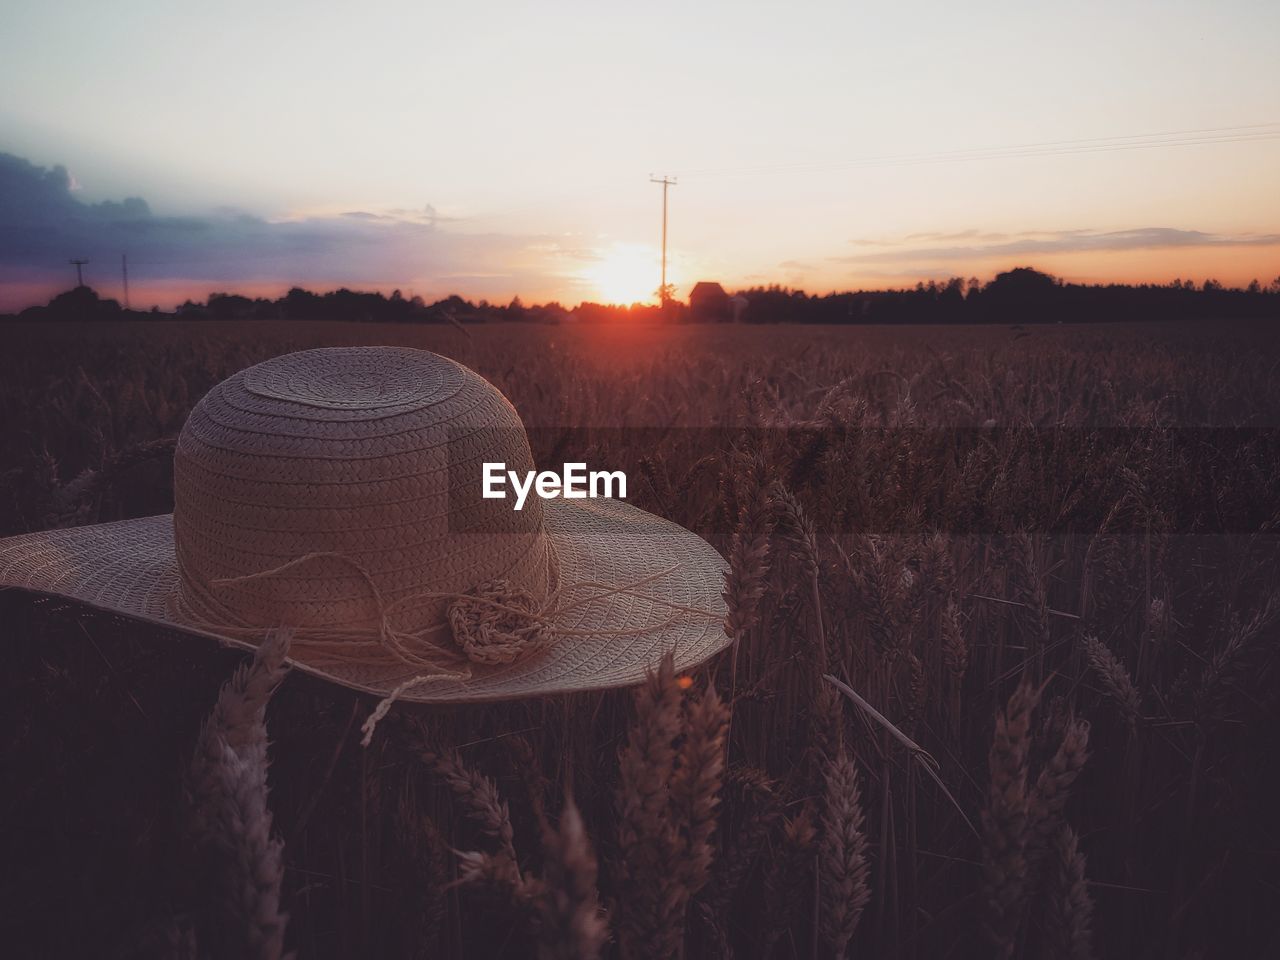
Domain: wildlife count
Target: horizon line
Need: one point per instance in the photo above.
(965, 286)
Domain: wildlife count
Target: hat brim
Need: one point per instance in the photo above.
(128, 568)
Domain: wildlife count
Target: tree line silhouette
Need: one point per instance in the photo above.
(1020, 295)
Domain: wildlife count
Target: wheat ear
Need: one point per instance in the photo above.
(230, 819)
(573, 926)
(1004, 821)
(650, 921)
(842, 856)
(1053, 786)
(695, 787)
(1115, 679)
(1069, 908)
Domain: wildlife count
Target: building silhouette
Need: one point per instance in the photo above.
(708, 303)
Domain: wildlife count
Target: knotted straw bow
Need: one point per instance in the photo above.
(494, 623)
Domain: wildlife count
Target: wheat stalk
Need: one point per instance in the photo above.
(955, 657)
(842, 856)
(477, 795)
(1229, 665)
(573, 926)
(762, 811)
(1004, 821)
(1069, 908)
(1053, 786)
(955, 652)
(230, 820)
(695, 786)
(796, 526)
(748, 565)
(423, 902)
(786, 883)
(500, 876)
(1115, 679)
(650, 915)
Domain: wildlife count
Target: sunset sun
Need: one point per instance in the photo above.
(624, 273)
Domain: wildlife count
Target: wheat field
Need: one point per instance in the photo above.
(1004, 606)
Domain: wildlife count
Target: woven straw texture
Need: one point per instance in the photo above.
(337, 492)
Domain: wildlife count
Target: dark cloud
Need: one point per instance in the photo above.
(987, 245)
(43, 223)
(37, 197)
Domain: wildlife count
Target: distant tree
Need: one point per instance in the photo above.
(1023, 280)
(82, 303)
(951, 299)
(228, 306)
(1023, 295)
(299, 304)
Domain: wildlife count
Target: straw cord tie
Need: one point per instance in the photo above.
(494, 623)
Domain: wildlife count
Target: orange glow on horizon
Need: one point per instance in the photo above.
(627, 273)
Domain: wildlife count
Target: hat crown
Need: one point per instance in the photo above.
(358, 469)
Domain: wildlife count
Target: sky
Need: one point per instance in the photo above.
(495, 149)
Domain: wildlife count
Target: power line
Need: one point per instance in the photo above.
(79, 276)
(1048, 148)
(1247, 133)
(1242, 133)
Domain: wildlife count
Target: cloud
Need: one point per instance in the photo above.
(933, 237)
(43, 223)
(427, 216)
(989, 245)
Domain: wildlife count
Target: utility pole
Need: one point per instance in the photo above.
(124, 273)
(666, 183)
(79, 276)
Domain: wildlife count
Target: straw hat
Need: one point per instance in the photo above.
(336, 494)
